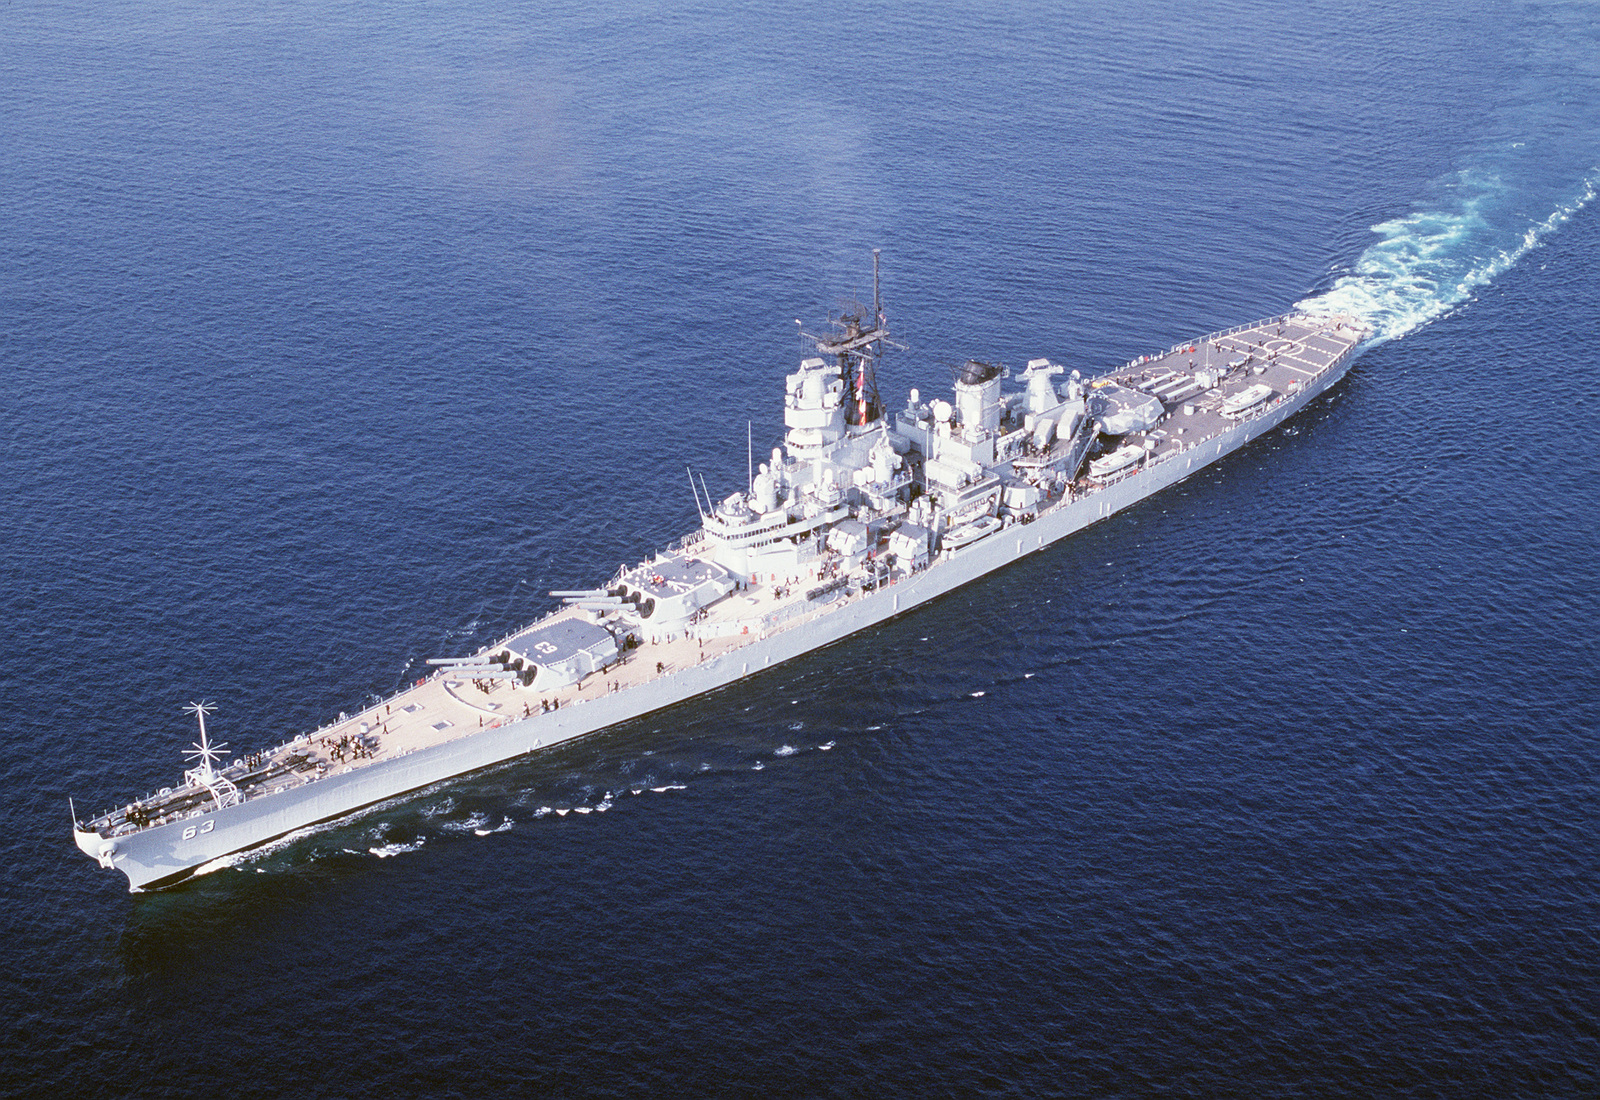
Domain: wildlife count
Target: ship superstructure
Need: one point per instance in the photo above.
(861, 514)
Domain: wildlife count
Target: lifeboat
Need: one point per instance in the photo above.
(1117, 461)
(969, 533)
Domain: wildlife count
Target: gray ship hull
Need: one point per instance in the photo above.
(160, 856)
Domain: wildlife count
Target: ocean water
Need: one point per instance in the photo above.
(336, 336)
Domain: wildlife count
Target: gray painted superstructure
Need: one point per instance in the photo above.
(917, 504)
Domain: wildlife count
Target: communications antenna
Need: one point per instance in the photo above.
(204, 753)
(856, 349)
(206, 756)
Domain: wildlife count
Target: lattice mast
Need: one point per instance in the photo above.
(857, 349)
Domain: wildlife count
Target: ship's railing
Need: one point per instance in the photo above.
(1279, 319)
(773, 619)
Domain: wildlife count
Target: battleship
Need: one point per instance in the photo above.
(862, 513)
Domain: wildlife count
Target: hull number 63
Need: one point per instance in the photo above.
(193, 831)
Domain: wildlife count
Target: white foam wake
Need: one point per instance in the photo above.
(1431, 261)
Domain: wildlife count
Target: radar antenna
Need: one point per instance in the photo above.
(857, 350)
(206, 756)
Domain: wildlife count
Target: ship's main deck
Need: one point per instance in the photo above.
(1197, 381)
(1205, 388)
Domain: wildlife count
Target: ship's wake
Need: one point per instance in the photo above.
(1433, 260)
(1534, 164)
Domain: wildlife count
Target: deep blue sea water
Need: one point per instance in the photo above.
(335, 336)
